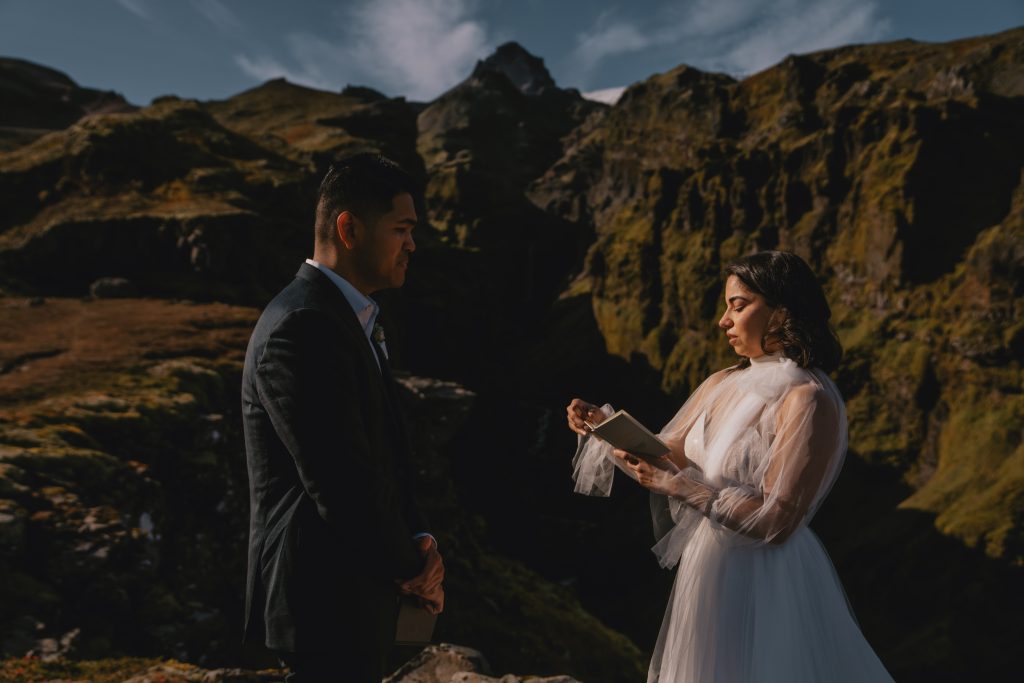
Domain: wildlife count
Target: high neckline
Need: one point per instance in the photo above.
(768, 358)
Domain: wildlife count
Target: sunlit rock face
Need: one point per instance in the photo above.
(205, 200)
(895, 171)
(314, 127)
(164, 196)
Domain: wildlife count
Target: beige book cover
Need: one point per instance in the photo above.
(624, 432)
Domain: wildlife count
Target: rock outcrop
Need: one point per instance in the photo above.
(124, 507)
(313, 127)
(485, 139)
(523, 70)
(442, 663)
(164, 196)
(35, 100)
(128, 670)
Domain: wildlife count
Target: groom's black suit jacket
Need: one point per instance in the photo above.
(332, 512)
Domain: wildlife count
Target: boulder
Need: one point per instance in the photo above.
(113, 288)
(439, 664)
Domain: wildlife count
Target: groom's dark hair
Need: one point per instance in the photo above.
(365, 185)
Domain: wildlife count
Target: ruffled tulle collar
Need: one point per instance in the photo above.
(769, 358)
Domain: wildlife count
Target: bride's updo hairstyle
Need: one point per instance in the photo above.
(787, 283)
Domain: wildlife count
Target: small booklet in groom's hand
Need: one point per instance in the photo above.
(415, 624)
(623, 431)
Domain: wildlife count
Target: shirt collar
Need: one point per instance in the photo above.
(363, 306)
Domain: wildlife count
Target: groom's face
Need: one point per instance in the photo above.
(384, 245)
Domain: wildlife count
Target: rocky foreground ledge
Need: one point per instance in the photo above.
(122, 484)
(436, 664)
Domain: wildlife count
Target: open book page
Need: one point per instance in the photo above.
(624, 432)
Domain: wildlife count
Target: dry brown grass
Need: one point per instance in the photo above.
(64, 345)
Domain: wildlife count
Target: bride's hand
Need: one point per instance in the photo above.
(657, 479)
(580, 412)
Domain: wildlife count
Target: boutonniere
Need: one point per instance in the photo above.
(378, 333)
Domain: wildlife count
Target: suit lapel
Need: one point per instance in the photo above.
(339, 308)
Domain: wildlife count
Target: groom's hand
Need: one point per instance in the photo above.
(428, 584)
(433, 600)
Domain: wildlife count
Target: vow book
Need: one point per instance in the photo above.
(624, 432)
(415, 625)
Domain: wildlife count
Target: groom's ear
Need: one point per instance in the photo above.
(346, 229)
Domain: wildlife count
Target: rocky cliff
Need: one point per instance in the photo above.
(35, 100)
(895, 170)
(568, 248)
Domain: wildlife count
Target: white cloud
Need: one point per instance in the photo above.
(219, 14)
(607, 95)
(716, 17)
(607, 39)
(266, 68)
(139, 8)
(737, 36)
(422, 46)
(416, 48)
(811, 26)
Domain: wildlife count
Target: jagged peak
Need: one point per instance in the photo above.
(363, 92)
(526, 71)
(14, 68)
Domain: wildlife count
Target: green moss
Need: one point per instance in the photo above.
(856, 329)
(531, 626)
(31, 670)
(978, 486)
(887, 419)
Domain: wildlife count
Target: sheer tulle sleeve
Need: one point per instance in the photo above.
(803, 460)
(594, 465)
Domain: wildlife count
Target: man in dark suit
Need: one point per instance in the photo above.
(334, 533)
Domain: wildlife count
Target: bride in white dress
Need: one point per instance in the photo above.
(755, 450)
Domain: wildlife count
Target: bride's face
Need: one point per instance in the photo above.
(745, 319)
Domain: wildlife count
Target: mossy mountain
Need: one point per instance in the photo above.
(570, 247)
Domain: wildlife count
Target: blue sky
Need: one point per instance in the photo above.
(211, 49)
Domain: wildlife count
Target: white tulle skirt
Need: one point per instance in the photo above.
(746, 614)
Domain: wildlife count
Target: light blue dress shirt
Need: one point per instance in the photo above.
(365, 308)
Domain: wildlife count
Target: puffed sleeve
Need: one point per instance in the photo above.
(802, 462)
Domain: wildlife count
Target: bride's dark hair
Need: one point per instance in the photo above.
(787, 283)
